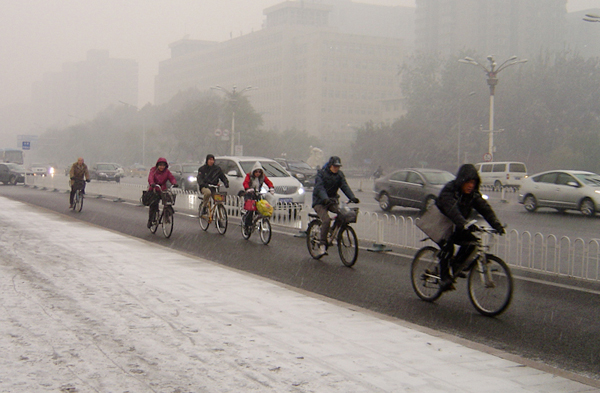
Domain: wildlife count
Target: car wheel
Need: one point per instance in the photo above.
(530, 203)
(12, 180)
(497, 185)
(587, 207)
(384, 202)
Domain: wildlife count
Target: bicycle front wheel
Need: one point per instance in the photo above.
(313, 236)
(490, 285)
(264, 229)
(203, 218)
(168, 221)
(348, 246)
(221, 219)
(425, 274)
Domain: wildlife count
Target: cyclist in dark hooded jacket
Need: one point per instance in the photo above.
(457, 200)
(325, 195)
(209, 174)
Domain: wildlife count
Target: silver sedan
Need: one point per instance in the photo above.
(562, 190)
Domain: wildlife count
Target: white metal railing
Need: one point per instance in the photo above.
(537, 252)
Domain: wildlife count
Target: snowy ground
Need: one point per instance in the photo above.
(89, 310)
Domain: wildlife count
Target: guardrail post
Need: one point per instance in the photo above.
(119, 199)
(379, 246)
(503, 195)
(303, 221)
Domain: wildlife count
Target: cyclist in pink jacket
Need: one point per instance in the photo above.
(158, 177)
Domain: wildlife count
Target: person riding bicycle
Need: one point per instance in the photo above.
(158, 176)
(456, 201)
(209, 174)
(325, 195)
(252, 184)
(79, 171)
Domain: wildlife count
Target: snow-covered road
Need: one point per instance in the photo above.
(84, 309)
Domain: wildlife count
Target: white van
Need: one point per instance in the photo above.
(499, 174)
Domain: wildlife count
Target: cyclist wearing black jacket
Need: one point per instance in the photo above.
(209, 174)
(456, 201)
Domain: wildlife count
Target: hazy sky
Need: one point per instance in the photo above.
(37, 36)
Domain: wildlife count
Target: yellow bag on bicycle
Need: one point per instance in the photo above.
(264, 208)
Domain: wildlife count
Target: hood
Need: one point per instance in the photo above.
(465, 173)
(162, 159)
(207, 157)
(257, 166)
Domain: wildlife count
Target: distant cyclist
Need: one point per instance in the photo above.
(159, 176)
(325, 195)
(456, 201)
(79, 171)
(252, 184)
(209, 174)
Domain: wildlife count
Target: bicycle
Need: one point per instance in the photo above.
(78, 197)
(489, 280)
(340, 230)
(164, 216)
(215, 211)
(260, 223)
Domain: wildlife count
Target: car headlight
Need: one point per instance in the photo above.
(484, 196)
(51, 171)
(101, 174)
(192, 179)
(300, 190)
(597, 191)
(299, 175)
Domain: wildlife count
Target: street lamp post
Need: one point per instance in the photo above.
(492, 71)
(233, 96)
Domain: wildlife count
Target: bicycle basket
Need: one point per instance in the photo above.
(220, 196)
(347, 215)
(148, 197)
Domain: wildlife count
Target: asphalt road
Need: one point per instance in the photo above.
(555, 322)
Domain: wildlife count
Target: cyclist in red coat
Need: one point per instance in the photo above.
(158, 176)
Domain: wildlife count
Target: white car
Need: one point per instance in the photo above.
(287, 188)
(562, 190)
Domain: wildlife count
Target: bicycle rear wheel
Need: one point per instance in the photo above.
(425, 274)
(168, 221)
(348, 246)
(80, 206)
(490, 286)
(264, 229)
(203, 219)
(313, 236)
(221, 219)
(154, 226)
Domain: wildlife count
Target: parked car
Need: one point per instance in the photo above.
(42, 169)
(562, 190)
(105, 171)
(410, 187)
(287, 188)
(138, 170)
(186, 175)
(300, 170)
(11, 173)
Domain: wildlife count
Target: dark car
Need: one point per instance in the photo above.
(300, 170)
(186, 175)
(410, 187)
(12, 173)
(106, 171)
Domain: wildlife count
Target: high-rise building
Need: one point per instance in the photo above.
(84, 88)
(311, 75)
(500, 27)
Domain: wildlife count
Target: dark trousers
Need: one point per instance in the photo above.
(74, 188)
(463, 239)
(323, 212)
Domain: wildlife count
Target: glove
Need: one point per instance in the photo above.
(473, 228)
(500, 229)
(328, 201)
(250, 190)
(88, 180)
(272, 191)
(227, 185)
(175, 186)
(354, 200)
(72, 178)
